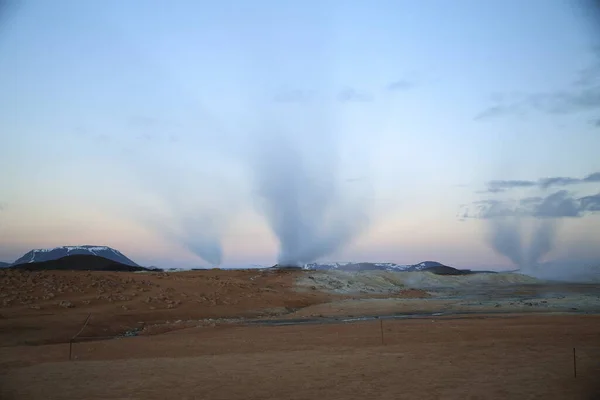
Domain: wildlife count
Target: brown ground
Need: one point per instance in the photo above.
(495, 358)
(480, 357)
(51, 306)
(44, 307)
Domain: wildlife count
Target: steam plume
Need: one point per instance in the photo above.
(180, 211)
(506, 238)
(302, 198)
(201, 235)
(542, 241)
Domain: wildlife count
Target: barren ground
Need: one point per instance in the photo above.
(193, 338)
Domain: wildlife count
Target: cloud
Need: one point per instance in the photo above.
(558, 102)
(557, 205)
(560, 204)
(595, 177)
(500, 186)
(595, 122)
(349, 94)
(530, 200)
(292, 96)
(590, 203)
(153, 128)
(583, 94)
(499, 110)
(356, 179)
(543, 183)
(400, 85)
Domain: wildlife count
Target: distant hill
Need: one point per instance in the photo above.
(4, 264)
(426, 266)
(41, 255)
(286, 267)
(79, 262)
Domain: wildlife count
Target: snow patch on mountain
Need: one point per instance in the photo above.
(357, 266)
(40, 255)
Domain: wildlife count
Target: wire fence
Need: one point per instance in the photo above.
(377, 332)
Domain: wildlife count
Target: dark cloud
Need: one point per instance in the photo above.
(500, 186)
(490, 208)
(590, 203)
(559, 102)
(595, 177)
(491, 190)
(530, 200)
(356, 179)
(595, 122)
(348, 95)
(292, 96)
(400, 85)
(557, 205)
(583, 94)
(543, 183)
(499, 110)
(561, 204)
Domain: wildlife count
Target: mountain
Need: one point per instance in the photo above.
(41, 255)
(360, 266)
(426, 266)
(79, 262)
(4, 264)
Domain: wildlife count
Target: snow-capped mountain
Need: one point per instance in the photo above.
(360, 266)
(425, 265)
(368, 266)
(39, 255)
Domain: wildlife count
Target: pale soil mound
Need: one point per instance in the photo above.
(390, 282)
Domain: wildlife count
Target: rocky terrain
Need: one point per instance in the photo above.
(48, 306)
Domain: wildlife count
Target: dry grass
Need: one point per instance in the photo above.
(525, 357)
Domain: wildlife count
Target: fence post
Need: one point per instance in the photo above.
(574, 364)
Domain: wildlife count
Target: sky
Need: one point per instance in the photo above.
(142, 125)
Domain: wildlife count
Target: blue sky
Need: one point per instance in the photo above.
(122, 121)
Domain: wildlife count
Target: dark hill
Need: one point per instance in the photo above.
(286, 267)
(4, 264)
(79, 262)
(445, 270)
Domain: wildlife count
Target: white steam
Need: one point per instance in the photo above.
(187, 207)
(309, 207)
(506, 237)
